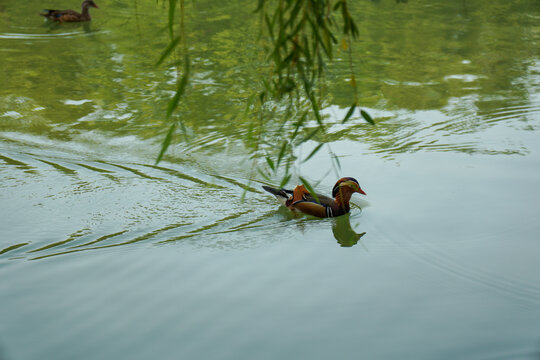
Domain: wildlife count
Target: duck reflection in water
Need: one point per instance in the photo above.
(54, 26)
(341, 227)
(344, 233)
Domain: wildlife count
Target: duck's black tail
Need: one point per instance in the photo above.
(48, 13)
(278, 192)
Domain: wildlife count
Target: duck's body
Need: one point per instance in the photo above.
(301, 200)
(71, 15)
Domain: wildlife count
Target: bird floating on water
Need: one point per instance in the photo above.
(70, 15)
(301, 200)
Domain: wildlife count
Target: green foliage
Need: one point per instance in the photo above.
(314, 151)
(298, 38)
(172, 9)
(350, 113)
(368, 118)
(182, 80)
(168, 50)
(301, 35)
(166, 143)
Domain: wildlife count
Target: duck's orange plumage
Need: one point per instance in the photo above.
(301, 200)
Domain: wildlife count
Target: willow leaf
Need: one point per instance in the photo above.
(282, 152)
(259, 6)
(299, 124)
(263, 174)
(314, 151)
(309, 188)
(172, 8)
(349, 113)
(366, 117)
(166, 143)
(270, 163)
(285, 180)
(270, 26)
(173, 103)
(168, 50)
(311, 134)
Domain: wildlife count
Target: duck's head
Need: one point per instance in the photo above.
(89, 3)
(347, 183)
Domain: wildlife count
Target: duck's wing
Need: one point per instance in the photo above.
(312, 208)
(48, 12)
(325, 207)
(64, 15)
(322, 208)
(323, 200)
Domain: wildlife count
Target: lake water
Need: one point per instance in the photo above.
(104, 255)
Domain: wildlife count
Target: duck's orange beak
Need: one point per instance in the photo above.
(95, 5)
(361, 191)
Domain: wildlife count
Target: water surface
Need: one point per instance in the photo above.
(105, 255)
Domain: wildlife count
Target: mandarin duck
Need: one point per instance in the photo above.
(301, 200)
(70, 15)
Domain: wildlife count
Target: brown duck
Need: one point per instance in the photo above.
(301, 200)
(71, 15)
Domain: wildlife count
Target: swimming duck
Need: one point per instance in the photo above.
(70, 15)
(301, 200)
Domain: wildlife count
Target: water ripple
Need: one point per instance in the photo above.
(21, 36)
(525, 292)
(156, 204)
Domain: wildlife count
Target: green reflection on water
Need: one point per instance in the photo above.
(64, 81)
